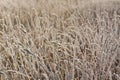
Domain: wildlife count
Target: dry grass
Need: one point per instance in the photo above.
(59, 40)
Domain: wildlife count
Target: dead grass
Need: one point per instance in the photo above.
(59, 40)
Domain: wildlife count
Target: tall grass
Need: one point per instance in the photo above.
(59, 40)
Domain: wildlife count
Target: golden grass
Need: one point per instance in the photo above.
(59, 40)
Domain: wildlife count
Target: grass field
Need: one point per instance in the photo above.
(59, 40)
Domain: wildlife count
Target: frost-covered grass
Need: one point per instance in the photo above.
(59, 40)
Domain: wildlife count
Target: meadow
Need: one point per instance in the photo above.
(59, 40)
